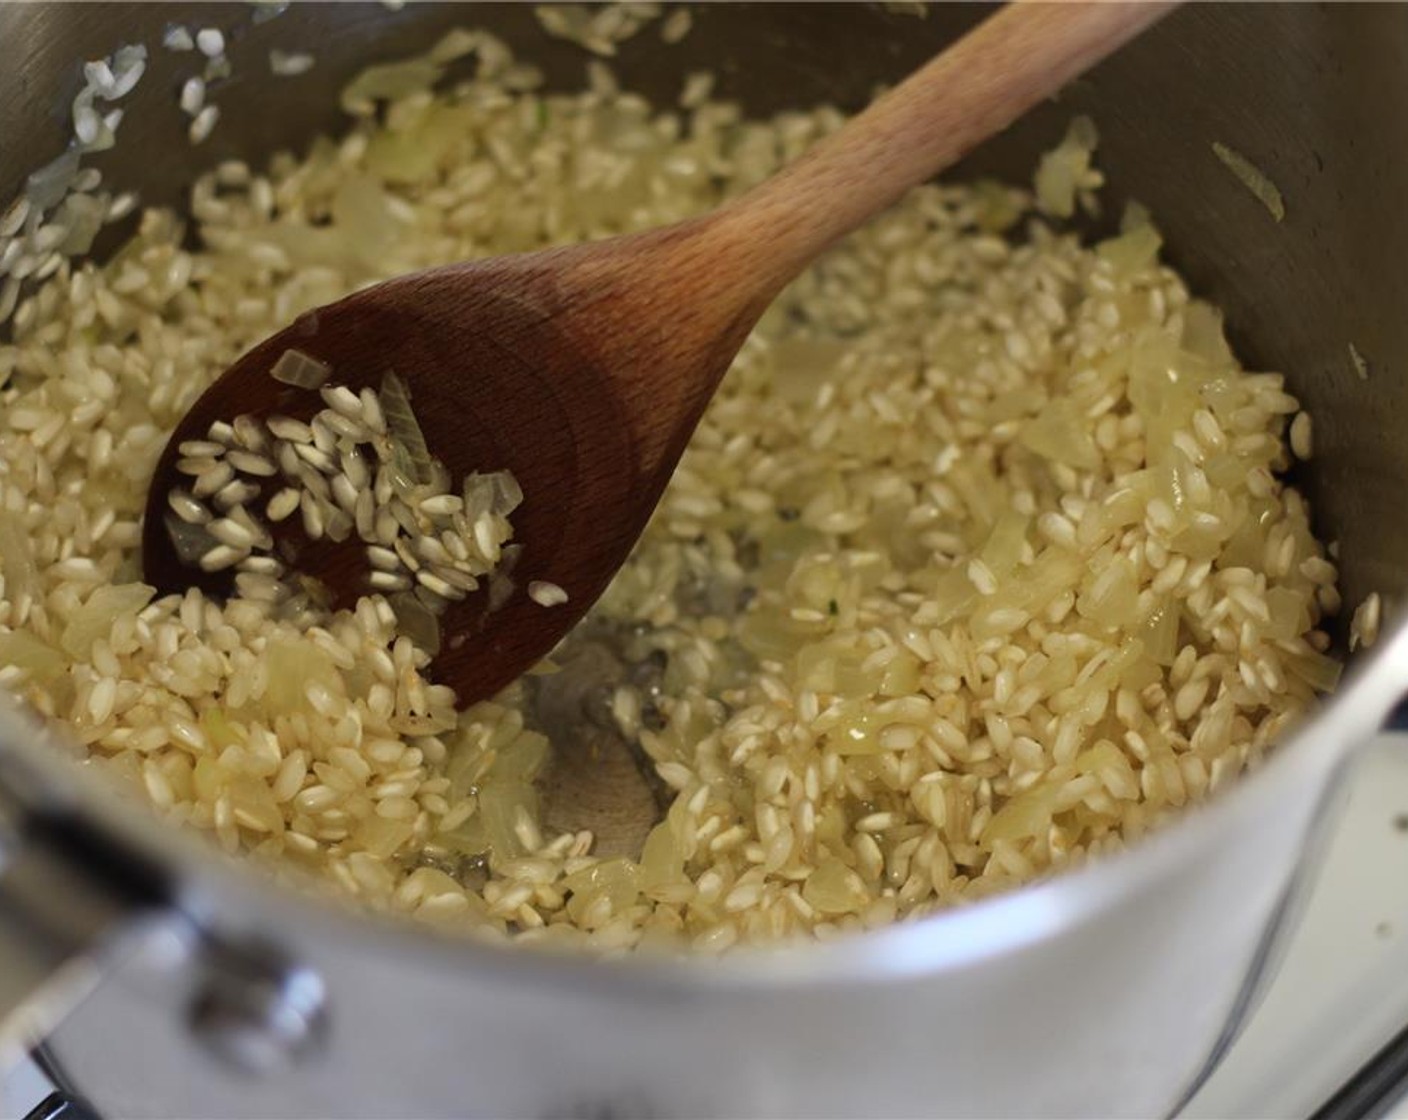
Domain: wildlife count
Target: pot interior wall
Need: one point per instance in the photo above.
(1309, 93)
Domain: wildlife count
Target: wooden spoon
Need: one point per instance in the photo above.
(584, 370)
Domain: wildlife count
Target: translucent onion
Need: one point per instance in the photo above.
(300, 370)
(1131, 252)
(833, 888)
(293, 666)
(1062, 172)
(95, 618)
(39, 659)
(1060, 433)
(412, 454)
(661, 861)
(190, 542)
(416, 621)
(387, 82)
(1322, 673)
(617, 880)
(1253, 178)
(47, 186)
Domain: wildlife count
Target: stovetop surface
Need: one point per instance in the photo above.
(1341, 992)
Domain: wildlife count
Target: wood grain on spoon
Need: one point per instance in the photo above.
(584, 370)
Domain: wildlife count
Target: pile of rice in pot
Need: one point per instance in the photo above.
(979, 564)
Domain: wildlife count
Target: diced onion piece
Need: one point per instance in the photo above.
(615, 879)
(45, 187)
(293, 666)
(455, 43)
(507, 494)
(1361, 367)
(16, 556)
(388, 82)
(833, 888)
(1108, 763)
(1203, 335)
(412, 454)
(1160, 632)
(661, 860)
(1290, 613)
(1253, 178)
(82, 215)
(39, 659)
(191, 542)
(501, 582)
(999, 207)
(1060, 433)
(416, 621)
(95, 618)
(1026, 815)
(300, 370)
(1319, 671)
(1132, 251)
(1108, 596)
(523, 759)
(499, 803)
(1065, 170)
(497, 493)
(381, 836)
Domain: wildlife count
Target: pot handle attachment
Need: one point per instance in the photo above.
(70, 901)
(60, 1106)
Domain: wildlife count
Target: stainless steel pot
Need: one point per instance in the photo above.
(1109, 990)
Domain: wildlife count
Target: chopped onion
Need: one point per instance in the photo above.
(661, 860)
(129, 63)
(1132, 251)
(1253, 178)
(388, 82)
(615, 879)
(408, 439)
(1063, 435)
(177, 38)
(41, 660)
(1024, 815)
(416, 621)
(507, 494)
(1361, 367)
(16, 557)
(501, 583)
(300, 370)
(1065, 170)
(95, 618)
(82, 215)
(455, 43)
(191, 542)
(380, 836)
(833, 888)
(293, 666)
(1319, 671)
(1160, 632)
(50, 183)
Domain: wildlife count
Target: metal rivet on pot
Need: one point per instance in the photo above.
(257, 1012)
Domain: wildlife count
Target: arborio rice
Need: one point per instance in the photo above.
(978, 565)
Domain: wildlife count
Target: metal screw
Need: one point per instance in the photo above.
(256, 1011)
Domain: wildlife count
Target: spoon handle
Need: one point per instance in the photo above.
(974, 89)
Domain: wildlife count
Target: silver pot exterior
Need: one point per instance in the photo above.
(1108, 991)
(1104, 991)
